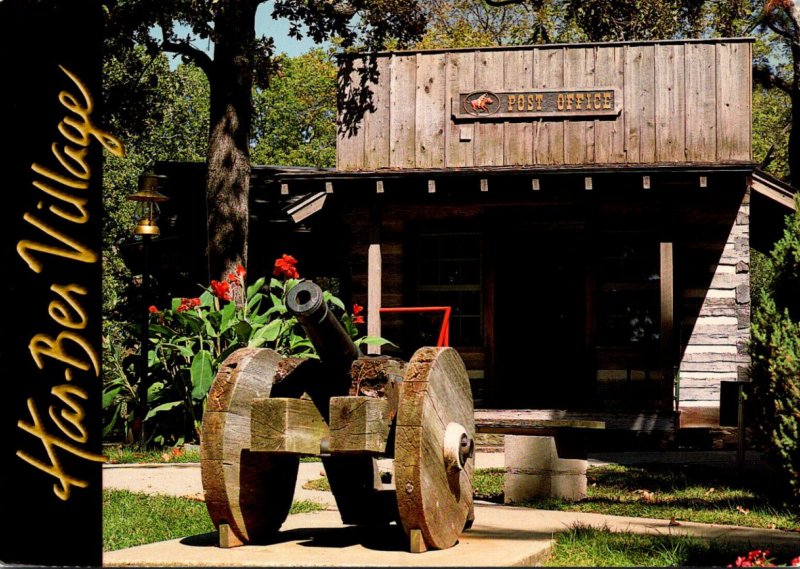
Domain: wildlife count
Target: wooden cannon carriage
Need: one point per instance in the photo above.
(265, 411)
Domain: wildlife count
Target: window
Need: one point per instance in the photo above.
(628, 274)
(449, 274)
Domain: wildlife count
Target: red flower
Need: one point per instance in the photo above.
(357, 309)
(358, 319)
(240, 270)
(152, 309)
(188, 304)
(232, 278)
(285, 267)
(221, 290)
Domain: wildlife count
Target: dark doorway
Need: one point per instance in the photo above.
(540, 323)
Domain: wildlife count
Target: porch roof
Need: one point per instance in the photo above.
(330, 180)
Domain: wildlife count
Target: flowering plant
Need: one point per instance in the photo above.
(760, 558)
(189, 341)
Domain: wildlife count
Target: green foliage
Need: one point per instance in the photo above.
(761, 276)
(294, 121)
(775, 352)
(772, 112)
(474, 23)
(160, 114)
(635, 19)
(190, 340)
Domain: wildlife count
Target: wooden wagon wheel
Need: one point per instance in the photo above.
(434, 457)
(248, 494)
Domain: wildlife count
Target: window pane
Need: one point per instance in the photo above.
(448, 274)
(629, 299)
(429, 273)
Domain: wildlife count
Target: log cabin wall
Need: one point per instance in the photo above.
(674, 102)
(714, 306)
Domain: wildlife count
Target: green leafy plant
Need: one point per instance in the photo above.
(775, 368)
(189, 341)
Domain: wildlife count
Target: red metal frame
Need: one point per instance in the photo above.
(444, 332)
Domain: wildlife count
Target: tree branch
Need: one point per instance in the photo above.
(196, 56)
(764, 76)
(780, 31)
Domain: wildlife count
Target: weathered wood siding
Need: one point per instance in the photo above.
(681, 102)
(715, 318)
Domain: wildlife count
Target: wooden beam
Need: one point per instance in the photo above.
(535, 184)
(667, 315)
(286, 425)
(703, 181)
(484, 185)
(359, 425)
(774, 193)
(328, 187)
(374, 278)
(646, 182)
(379, 187)
(431, 186)
(284, 189)
(587, 183)
(227, 538)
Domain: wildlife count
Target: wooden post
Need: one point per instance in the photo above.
(667, 316)
(374, 275)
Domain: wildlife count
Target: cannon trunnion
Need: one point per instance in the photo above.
(265, 411)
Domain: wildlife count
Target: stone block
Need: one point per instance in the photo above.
(538, 466)
(569, 486)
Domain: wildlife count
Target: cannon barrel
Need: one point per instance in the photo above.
(333, 344)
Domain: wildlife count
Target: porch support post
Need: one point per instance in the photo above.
(374, 272)
(667, 319)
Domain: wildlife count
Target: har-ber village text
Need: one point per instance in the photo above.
(63, 180)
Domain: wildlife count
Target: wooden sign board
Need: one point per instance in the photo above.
(563, 104)
(666, 102)
(51, 475)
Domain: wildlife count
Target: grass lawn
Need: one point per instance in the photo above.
(693, 494)
(131, 519)
(135, 455)
(686, 493)
(583, 546)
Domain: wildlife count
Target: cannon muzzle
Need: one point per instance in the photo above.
(336, 349)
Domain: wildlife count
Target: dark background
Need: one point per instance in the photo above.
(35, 37)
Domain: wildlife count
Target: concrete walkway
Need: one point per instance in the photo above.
(501, 535)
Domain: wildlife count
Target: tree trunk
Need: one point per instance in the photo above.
(228, 179)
